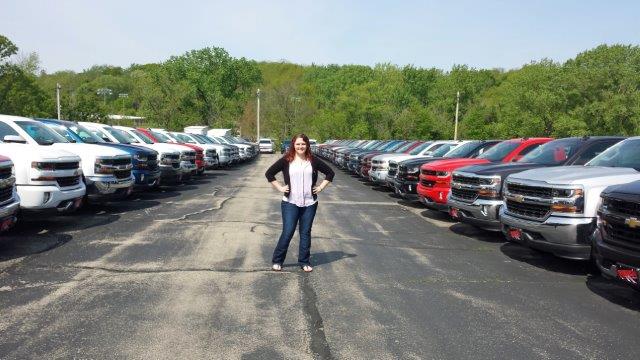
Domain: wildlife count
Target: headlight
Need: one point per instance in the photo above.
(568, 201)
(413, 170)
(140, 157)
(103, 166)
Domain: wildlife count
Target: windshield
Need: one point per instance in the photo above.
(62, 131)
(86, 135)
(443, 149)
(213, 140)
(142, 136)
(500, 151)
(265, 141)
(203, 139)
(41, 133)
(405, 147)
(184, 138)
(552, 153)
(123, 137)
(418, 149)
(462, 151)
(161, 137)
(623, 154)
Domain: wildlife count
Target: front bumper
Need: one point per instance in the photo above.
(8, 212)
(108, 187)
(609, 259)
(146, 178)
(406, 189)
(224, 159)
(210, 163)
(170, 174)
(41, 197)
(432, 204)
(481, 213)
(562, 236)
(379, 176)
(434, 197)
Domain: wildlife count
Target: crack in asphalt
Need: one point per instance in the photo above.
(199, 212)
(319, 345)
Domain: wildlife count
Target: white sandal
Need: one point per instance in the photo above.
(307, 268)
(276, 267)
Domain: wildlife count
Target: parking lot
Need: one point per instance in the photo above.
(184, 273)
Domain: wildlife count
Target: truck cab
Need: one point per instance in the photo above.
(145, 161)
(555, 209)
(106, 172)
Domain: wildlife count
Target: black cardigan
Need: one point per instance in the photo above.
(283, 165)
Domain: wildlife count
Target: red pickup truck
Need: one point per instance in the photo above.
(435, 177)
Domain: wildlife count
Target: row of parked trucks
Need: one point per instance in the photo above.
(577, 198)
(57, 165)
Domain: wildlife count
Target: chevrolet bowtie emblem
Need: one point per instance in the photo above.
(632, 222)
(518, 198)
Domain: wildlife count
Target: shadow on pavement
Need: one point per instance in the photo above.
(15, 245)
(545, 260)
(614, 291)
(318, 259)
(408, 203)
(477, 233)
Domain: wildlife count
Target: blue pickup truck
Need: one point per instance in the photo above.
(145, 161)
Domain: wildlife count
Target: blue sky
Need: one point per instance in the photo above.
(75, 34)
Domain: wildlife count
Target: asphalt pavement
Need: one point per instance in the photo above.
(185, 273)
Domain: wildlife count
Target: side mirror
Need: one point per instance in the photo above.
(14, 139)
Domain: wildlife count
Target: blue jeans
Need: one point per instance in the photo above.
(291, 216)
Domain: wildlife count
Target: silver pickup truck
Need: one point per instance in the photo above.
(554, 209)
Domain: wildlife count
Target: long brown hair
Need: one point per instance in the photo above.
(291, 153)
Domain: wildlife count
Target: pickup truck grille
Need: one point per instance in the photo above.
(152, 157)
(464, 194)
(67, 165)
(66, 181)
(618, 234)
(123, 174)
(428, 172)
(6, 193)
(427, 183)
(623, 207)
(152, 165)
(526, 190)
(534, 211)
(114, 162)
(393, 169)
(466, 180)
(211, 153)
(5, 172)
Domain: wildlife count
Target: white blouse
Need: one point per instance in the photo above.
(300, 178)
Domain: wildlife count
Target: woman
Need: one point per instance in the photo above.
(300, 200)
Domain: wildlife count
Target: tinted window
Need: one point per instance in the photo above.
(623, 154)
(161, 137)
(41, 133)
(553, 153)
(442, 149)
(419, 148)
(142, 136)
(184, 138)
(62, 131)
(84, 134)
(498, 152)
(122, 136)
(592, 151)
(462, 150)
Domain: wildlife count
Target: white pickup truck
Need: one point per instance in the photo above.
(105, 171)
(45, 177)
(9, 199)
(554, 209)
(211, 151)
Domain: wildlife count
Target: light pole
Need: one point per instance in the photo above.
(58, 87)
(258, 116)
(455, 129)
(104, 92)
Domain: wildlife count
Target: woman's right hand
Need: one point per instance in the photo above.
(284, 189)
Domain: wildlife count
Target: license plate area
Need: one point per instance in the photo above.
(454, 213)
(515, 233)
(627, 274)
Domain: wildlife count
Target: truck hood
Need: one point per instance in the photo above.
(419, 160)
(165, 148)
(502, 169)
(452, 164)
(624, 192)
(89, 150)
(394, 157)
(584, 175)
(18, 152)
(131, 149)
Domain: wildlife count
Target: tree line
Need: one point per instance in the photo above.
(595, 93)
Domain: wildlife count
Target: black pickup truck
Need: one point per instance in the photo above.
(476, 191)
(616, 242)
(405, 174)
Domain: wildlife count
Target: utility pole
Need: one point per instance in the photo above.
(455, 130)
(258, 117)
(58, 87)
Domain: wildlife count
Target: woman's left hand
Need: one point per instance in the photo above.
(317, 189)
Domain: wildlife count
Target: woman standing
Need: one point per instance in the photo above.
(300, 200)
